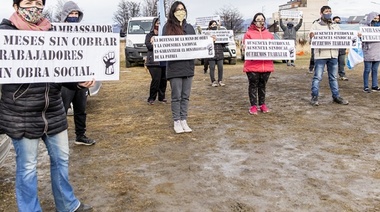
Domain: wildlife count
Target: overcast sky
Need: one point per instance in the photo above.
(102, 11)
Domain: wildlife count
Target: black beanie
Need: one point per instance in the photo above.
(18, 2)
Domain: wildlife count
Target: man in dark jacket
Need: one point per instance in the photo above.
(290, 33)
(71, 13)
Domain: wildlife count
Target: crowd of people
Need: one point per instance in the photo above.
(34, 111)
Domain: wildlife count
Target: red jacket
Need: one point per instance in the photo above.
(258, 65)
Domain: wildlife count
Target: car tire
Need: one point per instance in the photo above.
(128, 64)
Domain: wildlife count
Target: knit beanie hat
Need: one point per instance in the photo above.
(18, 2)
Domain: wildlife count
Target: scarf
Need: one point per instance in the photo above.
(21, 24)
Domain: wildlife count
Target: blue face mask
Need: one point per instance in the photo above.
(376, 23)
(72, 19)
(327, 16)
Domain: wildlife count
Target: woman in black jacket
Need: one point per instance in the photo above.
(34, 111)
(217, 59)
(157, 70)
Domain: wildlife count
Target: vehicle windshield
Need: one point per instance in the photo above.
(139, 26)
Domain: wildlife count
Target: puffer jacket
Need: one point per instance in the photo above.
(258, 65)
(180, 68)
(69, 7)
(371, 49)
(324, 53)
(31, 110)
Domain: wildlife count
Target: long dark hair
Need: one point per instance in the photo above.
(254, 17)
(210, 23)
(173, 26)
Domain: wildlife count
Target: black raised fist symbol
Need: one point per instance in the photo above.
(109, 60)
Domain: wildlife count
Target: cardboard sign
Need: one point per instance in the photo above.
(334, 39)
(269, 49)
(183, 47)
(46, 56)
(222, 36)
(291, 14)
(204, 21)
(370, 34)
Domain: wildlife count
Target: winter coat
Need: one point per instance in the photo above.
(290, 34)
(324, 53)
(150, 56)
(31, 110)
(258, 65)
(181, 68)
(371, 49)
(68, 8)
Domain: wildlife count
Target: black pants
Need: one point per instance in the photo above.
(79, 100)
(311, 64)
(158, 83)
(257, 85)
(205, 65)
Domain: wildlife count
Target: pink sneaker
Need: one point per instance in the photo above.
(253, 110)
(264, 108)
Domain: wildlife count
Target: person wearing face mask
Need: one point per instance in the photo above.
(217, 59)
(71, 13)
(33, 111)
(341, 56)
(180, 73)
(325, 57)
(290, 33)
(157, 70)
(258, 71)
(371, 56)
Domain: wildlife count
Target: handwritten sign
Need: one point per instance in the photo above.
(36, 56)
(334, 39)
(370, 34)
(184, 47)
(269, 50)
(222, 36)
(291, 14)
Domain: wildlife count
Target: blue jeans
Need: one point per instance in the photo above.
(332, 71)
(26, 173)
(370, 66)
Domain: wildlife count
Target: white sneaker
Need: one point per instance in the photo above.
(178, 127)
(185, 127)
(215, 84)
(221, 83)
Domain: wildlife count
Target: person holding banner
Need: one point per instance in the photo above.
(34, 111)
(71, 13)
(180, 73)
(371, 56)
(217, 59)
(324, 57)
(258, 71)
(157, 70)
(290, 33)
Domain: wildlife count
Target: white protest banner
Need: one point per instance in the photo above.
(370, 34)
(270, 50)
(291, 14)
(222, 36)
(79, 27)
(334, 39)
(204, 21)
(182, 47)
(47, 56)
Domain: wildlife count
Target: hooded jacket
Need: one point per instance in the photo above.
(290, 33)
(31, 110)
(371, 49)
(69, 7)
(180, 68)
(150, 57)
(325, 53)
(258, 65)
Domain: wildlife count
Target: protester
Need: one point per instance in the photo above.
(157, 70)
(324, 57)
(371, 56)
(180, 73)
(71, 13)
(341, 57)
(217, 59)
(205, 65)
(30, 112)
(258, 71)
(290, 33)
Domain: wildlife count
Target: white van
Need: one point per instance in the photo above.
(135, 49)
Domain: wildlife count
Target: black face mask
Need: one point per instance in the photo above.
(214, 28)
